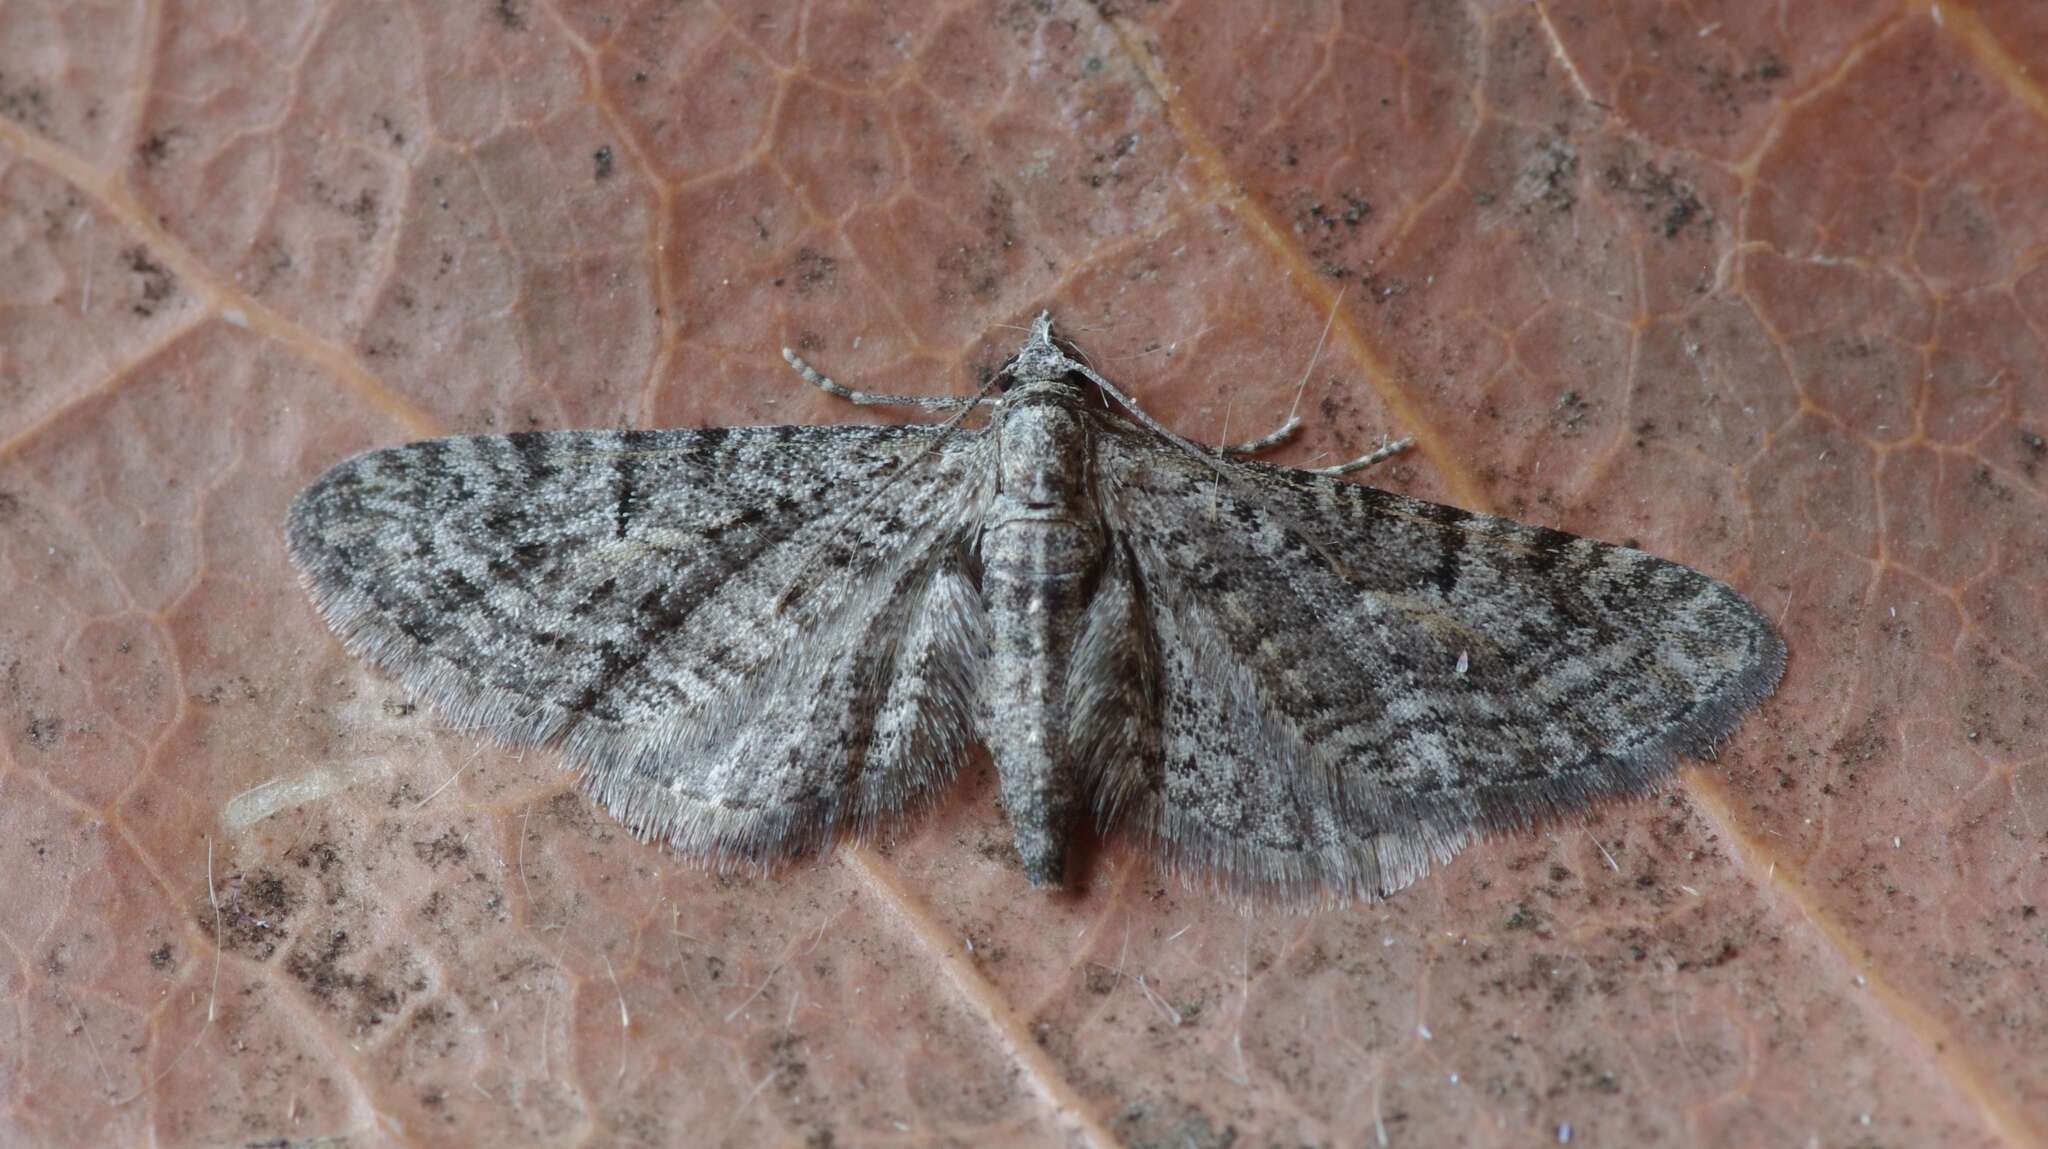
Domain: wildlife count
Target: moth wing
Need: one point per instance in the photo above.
(749, 640)
(1351, 684)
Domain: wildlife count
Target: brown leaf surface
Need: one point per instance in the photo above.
(1758, 286)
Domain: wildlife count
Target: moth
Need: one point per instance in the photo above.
(754, 641)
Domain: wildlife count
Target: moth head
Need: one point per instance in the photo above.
(1040, 360)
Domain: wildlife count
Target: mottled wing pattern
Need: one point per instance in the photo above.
(1351, 683)
(748, 639)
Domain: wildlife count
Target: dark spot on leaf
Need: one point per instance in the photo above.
(2037, 450)
(449, 847)
(154, 150)
(44, 731)
(29, 105)
(813, 269)
(254, 912)
(1570, 411)
(157, 282)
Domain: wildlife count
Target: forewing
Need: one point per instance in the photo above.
(748, 639)
(1353, 683)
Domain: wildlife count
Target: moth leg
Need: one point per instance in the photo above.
(1267, 441)
(1380, 455)
(868, 398)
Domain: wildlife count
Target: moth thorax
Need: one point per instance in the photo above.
(1044, 457)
